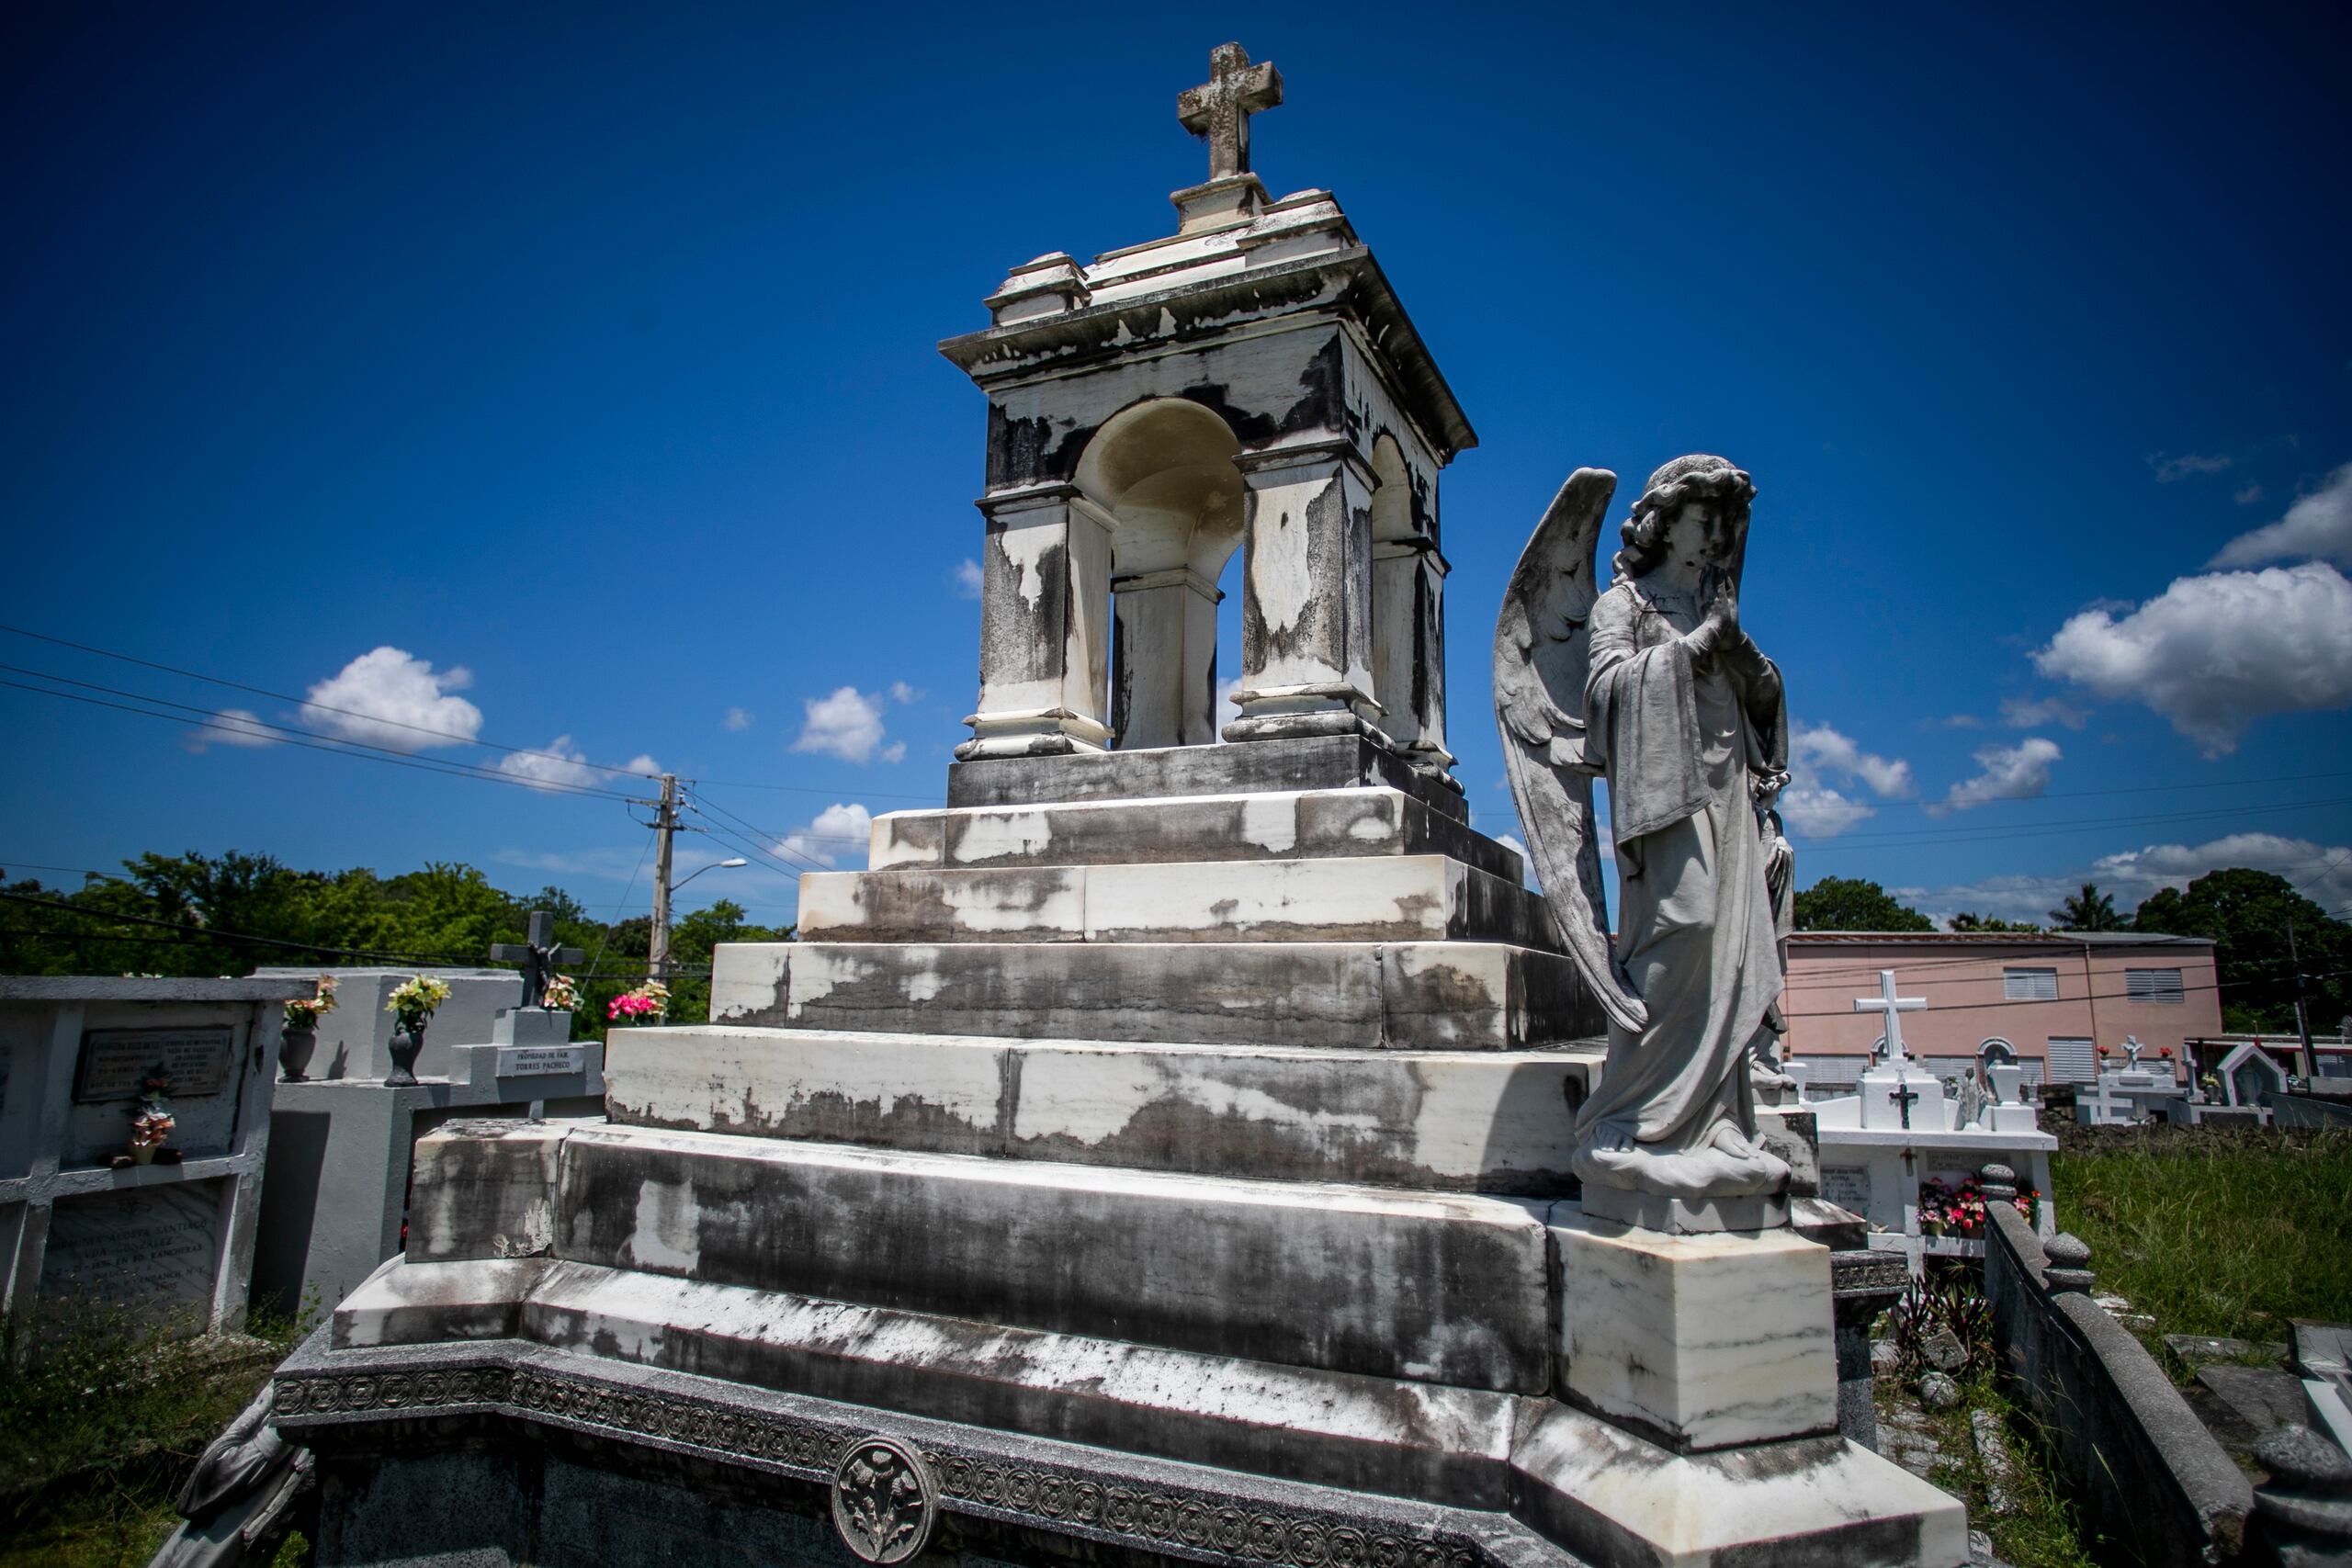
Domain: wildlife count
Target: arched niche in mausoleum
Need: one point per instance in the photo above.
(1159, 478)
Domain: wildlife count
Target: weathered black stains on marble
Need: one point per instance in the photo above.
(1044, 449)
(1314, 631)
(1426, 1297)
(1023, 635)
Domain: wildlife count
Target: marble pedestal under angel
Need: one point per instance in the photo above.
(1654, 686)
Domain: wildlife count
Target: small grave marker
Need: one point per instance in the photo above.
(538, 956)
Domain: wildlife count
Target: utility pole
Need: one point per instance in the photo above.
(665, 828)
(2303, 1015)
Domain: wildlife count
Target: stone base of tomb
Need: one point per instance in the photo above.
(700, 1327)
(1143, 1179)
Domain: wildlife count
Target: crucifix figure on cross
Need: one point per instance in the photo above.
(538, 956)
(1220, 108)
(1904, 1096)
(1893, 1006)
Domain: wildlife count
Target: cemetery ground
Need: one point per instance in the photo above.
(99, 1431)
(2222, 1234)
(2212, 1231)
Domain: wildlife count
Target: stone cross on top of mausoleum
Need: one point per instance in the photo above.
(1219, 109)
(538, 956)
(1893, 1006)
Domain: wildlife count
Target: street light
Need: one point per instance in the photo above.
(657, 959)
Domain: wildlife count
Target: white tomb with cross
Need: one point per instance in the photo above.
(1902, 1130)
(1896, 1092)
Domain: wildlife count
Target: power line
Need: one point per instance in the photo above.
(184, 933)
(308, 702)
(360, 749)
(930, 800)
(1917, 838)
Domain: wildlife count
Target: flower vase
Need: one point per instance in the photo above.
(142, 1154)
(405, 1046)
(294, 1052)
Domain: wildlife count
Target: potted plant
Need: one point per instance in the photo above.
(646, 1003)
(562, 994)
(300, 1041)
(152, 1121)
(412, 1002)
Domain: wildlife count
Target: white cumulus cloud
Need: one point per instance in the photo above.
(2212, 653)
(559, 766)
(847, 725)
(2022, 713)
(389, 698)
(2171, 469)
(840, 833)
(2004, 772)
(738, 719)
(231, 727)
(2324, 872)
(968, 579)
(2317, 528)
(902, 693)
(1818, 747)
(1818, 811)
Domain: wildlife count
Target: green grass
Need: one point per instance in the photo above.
(2211, 1231)
(101, 1428)
(2043, 1530)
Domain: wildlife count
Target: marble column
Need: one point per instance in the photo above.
(1163, 668)
(1045, 626)
(1307, 597)
(1408, 650)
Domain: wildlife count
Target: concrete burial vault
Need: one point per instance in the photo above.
(1160, 1152)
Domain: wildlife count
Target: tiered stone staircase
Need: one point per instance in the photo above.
(1190, 1146)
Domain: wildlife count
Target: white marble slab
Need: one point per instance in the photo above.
(1706, 1341)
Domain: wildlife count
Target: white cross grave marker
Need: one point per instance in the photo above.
(1893, 1006)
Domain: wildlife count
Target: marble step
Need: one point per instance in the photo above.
(1329, 762)
(1371, 898)
(1271, 825)
(719, 1368)
(1433, 996)
(595, 1328)
(1426, 1287)
(1464, 1121)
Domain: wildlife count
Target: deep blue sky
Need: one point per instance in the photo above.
(590, 349)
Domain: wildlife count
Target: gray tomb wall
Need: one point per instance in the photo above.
(169, 1241)
(341, 1145)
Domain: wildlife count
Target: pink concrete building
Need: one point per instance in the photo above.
(2054, 998)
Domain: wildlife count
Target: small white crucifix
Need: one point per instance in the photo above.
(1893, 1006)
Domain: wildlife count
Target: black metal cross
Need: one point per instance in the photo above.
(1904, 1098)
(1220, 108)
(538, 957)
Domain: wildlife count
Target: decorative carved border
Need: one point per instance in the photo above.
(1183, 1522)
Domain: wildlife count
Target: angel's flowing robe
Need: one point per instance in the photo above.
(1680, 736)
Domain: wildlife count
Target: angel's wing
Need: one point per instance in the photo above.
(1543, 654)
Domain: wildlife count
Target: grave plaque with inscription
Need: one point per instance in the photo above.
(116, 1063)
(1848, 1186)
(539, 1061)
(153, 1249)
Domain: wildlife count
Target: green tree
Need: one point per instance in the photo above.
(1854, 904)
(1969, 921)
(2247, 913)
(2090, 911)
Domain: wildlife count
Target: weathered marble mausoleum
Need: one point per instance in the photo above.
(1156, 1153)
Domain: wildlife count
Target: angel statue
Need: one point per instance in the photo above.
(1654, 686)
